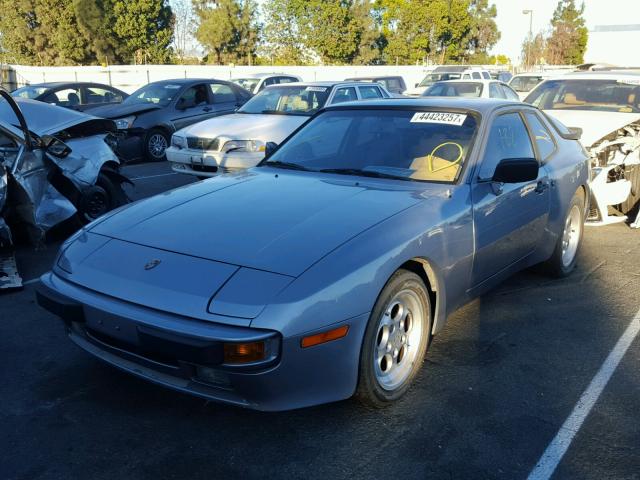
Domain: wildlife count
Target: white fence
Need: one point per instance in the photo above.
(132, 77)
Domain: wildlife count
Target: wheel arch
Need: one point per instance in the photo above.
(435, 286)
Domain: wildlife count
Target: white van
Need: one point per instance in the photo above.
(448, 72)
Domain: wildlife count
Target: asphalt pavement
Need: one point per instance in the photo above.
(497, 386)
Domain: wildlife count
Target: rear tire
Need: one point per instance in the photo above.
(565, 254)
(395, 341)
(100, 198)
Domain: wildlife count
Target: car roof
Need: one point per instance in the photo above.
(265, 75)
(457, 69)
(371, 77)
(63, 84)
(185, 81)
(484, 81)
(608, 75)
(327, 84)
(480, 105)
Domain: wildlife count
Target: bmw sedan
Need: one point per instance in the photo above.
(238, 141)
(324, 272)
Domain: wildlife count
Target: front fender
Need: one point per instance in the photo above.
(346, 283)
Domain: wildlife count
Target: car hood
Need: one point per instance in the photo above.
(267, 219)
(247, 126)
(45, 119)
(122, 110)
(595, 125)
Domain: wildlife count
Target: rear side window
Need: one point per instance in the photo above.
(542, 136)
(508, 138)
(510, 94)
(486, 75)
(345, 94)
(370, 92)
(495, 91)
(102, 95)
(476, 76)
(221, 93)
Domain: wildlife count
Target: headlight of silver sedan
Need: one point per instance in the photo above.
(178, 141)
(243, 146)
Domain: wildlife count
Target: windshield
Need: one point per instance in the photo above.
(524, 84)
(399, 144)
(596, 95)
(246, 83)
(29, 92)
(156, 93)
(454, 89)
(296, 100)
(439, 77)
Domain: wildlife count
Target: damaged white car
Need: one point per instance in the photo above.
(56, 165)
(606, 107)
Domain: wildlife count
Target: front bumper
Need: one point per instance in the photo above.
(209, 164)
(184, 354)
(130, 144)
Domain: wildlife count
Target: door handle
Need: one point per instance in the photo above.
(542, 186)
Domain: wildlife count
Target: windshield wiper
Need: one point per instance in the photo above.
(363, 173)
(273, 112)
(287, 165)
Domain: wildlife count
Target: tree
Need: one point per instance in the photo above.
(533, 50)
(439, 31)
(145, 28)
(42, 32)
(568, 41)
(283, 42)
(228, 29)
(184, 27)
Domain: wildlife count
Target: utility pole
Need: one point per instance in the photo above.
(530, 13)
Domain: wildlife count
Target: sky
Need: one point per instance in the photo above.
(514, 26)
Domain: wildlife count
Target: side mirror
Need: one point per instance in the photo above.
(54, 146)
(516, 170)
(269, 148)
(416, 84)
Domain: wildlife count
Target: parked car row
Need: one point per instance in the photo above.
(204, 143)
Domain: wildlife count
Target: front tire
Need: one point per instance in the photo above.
(156, 144)
(565, 255)
(395, 341)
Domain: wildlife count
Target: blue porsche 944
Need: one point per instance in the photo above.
(323, 272)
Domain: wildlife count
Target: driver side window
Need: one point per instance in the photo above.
(193, 96)
(508, 138)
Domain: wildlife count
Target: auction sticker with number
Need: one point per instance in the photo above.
(316, 89)
(439, 117)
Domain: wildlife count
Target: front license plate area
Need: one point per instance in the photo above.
(112, 326)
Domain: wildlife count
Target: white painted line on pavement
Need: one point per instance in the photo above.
(560, 444)
(154, 176)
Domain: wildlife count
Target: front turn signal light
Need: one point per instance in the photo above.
(325, 337)
(244, 352)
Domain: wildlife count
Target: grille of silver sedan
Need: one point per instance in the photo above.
(198, 143)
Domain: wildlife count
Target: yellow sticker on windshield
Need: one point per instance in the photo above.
(446, 118)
